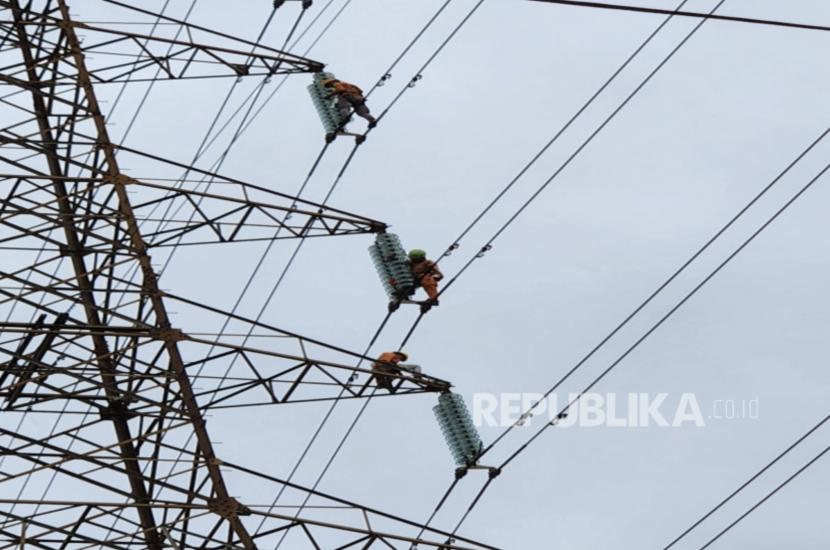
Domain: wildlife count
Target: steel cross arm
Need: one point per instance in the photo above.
(193, 27)
(249, 212)
(296, 375)
(235, 219)
(180, 59)
(301, 340)
(300, 376)
(102, 509)
(60, 289)
(367, 510)
(96, 463)
(247, 215)
(77, 327)
(242, 188)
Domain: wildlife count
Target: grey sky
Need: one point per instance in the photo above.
(728, 113)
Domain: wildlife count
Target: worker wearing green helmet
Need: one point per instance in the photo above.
(426, 274)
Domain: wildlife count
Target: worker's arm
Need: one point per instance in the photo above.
(436, 273)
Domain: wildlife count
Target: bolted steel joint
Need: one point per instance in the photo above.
(228, 507)
(168, 334)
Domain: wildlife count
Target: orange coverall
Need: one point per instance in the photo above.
(427, 275)
(385, 365)
(350, 96)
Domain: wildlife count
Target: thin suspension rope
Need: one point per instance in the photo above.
(766, 498)
(749, 481)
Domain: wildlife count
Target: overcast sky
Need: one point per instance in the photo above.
(728, 113)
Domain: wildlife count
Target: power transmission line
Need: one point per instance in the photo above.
(489, 244)
(655, 326)
(697, 15)
(744, 485)
(766, 498)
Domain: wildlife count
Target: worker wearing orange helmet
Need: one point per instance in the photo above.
(349, 97)
(426, 274)
(386, 364)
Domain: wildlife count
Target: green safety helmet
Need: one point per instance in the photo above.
(417, 254)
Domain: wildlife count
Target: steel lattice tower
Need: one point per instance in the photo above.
(124, 458)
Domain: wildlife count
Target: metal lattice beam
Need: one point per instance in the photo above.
(88, 339)
(122, 55)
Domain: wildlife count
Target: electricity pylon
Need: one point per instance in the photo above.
(105, 443)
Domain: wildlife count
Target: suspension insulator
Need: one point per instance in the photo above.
(326, 106)
(458, 428)
(392, 265)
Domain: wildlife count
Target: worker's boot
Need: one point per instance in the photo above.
(373, 122)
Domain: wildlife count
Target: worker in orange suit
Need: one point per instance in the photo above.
(427, 275)
(349, 97)
(386, 364)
